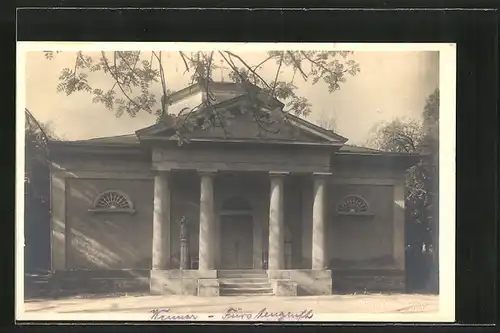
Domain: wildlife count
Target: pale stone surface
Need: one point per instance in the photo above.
(309, 282)
(161, 222)
(318, 225)
(208, 287)
(178, 282)
(371, 303)
(284, 288)
(207, 222)
(275, 260)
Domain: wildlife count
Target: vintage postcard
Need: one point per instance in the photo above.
(235, 182)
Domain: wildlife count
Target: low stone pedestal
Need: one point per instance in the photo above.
(208, 287)
(369, 280)
(284, 287)
(309, 282)
(177, 281)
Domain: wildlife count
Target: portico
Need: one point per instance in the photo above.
(209, 251)
(231, 235)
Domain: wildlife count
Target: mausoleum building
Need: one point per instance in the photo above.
(291, 209)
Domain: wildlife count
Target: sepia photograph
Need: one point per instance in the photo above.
(235, 182)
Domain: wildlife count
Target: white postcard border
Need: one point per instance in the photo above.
(447, 137)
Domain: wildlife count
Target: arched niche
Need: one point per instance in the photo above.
(353, 205)
(236, 205)
(112, 201)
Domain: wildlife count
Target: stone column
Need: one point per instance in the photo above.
(318, 222)
(207, 221)
(161, 222)
(276, 215)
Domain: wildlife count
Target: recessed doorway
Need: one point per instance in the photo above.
(236, 237)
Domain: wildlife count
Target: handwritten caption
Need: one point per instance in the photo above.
(234, 314)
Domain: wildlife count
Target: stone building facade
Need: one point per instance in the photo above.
(293, 211)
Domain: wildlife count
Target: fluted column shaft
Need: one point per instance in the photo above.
(318, 222)
(276, 215)
(161, 222)
(207, 221)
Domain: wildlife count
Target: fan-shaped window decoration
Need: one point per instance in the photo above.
(353, 205)
(112, 202)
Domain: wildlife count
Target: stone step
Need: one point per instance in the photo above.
(247, 291)
(242, 271)
(251, 285)
(245, 279)
(245, 294)
(240, 276)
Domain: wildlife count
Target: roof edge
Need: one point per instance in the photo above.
(318, 130)
(247, 141)
(380, 153)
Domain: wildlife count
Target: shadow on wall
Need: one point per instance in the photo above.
(36, 235)
(109, 240)
(36, 217)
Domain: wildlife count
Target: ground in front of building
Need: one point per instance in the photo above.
(354, 303)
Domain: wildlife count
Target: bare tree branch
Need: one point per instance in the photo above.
(244, 81)
(262, 62)
(183, 57)
(277, 74)
(248, 67)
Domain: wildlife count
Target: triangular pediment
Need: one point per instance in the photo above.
(241, 126)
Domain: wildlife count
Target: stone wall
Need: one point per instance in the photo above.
(100, 282)
(108, 240)
(369, 280)
(303, 282)
(252, 158)
(354, 240)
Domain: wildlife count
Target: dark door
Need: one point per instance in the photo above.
(236, 241)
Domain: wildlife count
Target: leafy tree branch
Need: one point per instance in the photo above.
(135, 80)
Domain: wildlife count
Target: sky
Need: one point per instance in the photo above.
(390, 85)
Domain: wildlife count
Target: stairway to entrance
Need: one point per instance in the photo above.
(244, 283)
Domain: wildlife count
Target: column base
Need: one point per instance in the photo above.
(308, 281)
(284, 287)
(208, 287)
(181, 282)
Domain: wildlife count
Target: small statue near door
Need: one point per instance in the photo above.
(184, 243)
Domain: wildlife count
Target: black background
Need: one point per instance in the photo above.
(474, 31)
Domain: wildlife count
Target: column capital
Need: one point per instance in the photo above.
(207, 172)
(322, 174)
(278, 173)
(156, 169)
(158, 172)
